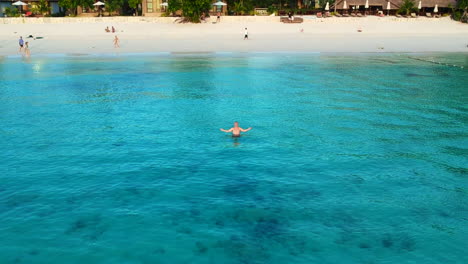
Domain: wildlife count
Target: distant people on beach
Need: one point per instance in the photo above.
(218, 17)
(246, 34)
(107, 30)
(113, 29)
(116, 42)
(203, 17)
(21, 44)
(236, 130)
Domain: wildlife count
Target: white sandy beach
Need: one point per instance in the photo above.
(267, 34)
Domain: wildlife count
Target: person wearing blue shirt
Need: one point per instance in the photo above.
(21, 44)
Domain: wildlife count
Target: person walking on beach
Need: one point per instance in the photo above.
(246, 34)
(27, 52)
(116, 42)
(236, 130)
(218, 18)
(21, 44)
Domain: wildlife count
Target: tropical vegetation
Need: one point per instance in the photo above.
(407, 7)
(72, 5)
(41, 7)
(12, 12)
(460, 12)
(191, 9)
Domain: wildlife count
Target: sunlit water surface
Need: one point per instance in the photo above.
(351, 159)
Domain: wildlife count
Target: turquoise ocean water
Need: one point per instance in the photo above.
(119, 159)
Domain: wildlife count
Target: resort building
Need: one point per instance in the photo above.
(28, 8)
(153, 7)
(382, 5)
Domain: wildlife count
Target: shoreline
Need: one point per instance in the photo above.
(329, 35)
(229, 53)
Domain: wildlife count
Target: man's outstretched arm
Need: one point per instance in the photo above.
(227, 131)
(245, 130)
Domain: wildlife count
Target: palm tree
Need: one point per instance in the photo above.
(407, 7)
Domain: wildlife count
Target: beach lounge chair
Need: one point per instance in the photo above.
(294, 20)
(413, 15)
(327, 14)
(398, 15)
(353, 15)
(428, 15)
(319, 15)
(338, 15)
(359, 15)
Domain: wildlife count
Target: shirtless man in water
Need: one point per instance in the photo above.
(236, 130)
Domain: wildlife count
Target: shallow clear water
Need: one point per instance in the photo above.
(351, 159)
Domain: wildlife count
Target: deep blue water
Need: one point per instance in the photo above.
(351, 159)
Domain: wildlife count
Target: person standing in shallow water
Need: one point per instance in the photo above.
(236, 130)
(116, 42)
(27, 52)
(246, 34)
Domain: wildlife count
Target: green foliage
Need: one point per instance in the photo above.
(461, 11)
(174, 6)
(272, 9)
(134, 3)
(323, 3)
(114, 5)
(462, 4)
(242, 7)
(192, 9)
(42, 7)
(407, 7)
(238, 8)
(72, 5)
(12, 12)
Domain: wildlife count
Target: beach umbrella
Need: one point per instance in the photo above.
(367, 4)
(19, 3)
(419, 5)
(388, 7)
(99, 4)
(436, 9)
(219, 3)
(345, 6)
(327, 6)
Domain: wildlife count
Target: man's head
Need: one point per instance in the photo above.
(236, 124)
(21, 37)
